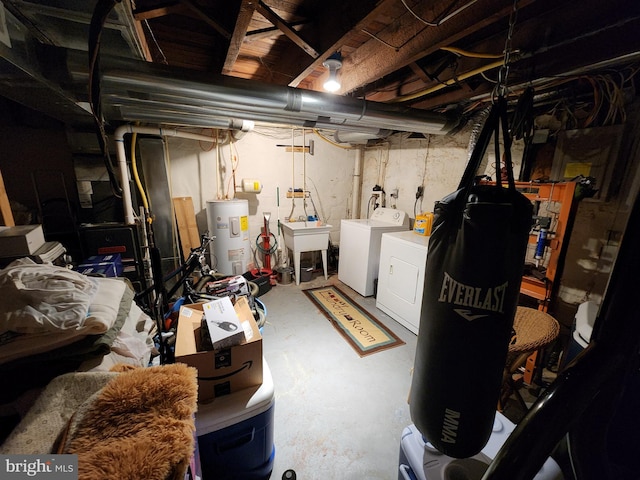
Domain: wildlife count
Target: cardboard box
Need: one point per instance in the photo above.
(21, 240)
(223, 325)
(223, 371)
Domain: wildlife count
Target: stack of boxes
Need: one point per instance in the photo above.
(27, 241)
(234, 422)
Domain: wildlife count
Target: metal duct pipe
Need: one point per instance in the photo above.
(185, 115)
(478, 122)
(133, 84)
(359, 137)
(170, 118)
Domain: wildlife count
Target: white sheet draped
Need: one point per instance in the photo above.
(37, 298)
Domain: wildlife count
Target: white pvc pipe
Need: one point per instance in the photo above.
(293, 174)
(304, 174)
(119, 134)
(357, 183)
(129, 219)
(218, 195)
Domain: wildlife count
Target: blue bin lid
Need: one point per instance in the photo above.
(236, 407)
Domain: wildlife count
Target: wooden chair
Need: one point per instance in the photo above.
(534, 330)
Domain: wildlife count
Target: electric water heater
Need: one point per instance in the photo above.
(228, 222)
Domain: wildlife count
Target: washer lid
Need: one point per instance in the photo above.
(390, 215)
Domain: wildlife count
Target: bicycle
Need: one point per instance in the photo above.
(164, 304)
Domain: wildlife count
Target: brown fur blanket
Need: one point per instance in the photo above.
(139, 426)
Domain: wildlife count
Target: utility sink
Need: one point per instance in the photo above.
(306, 237)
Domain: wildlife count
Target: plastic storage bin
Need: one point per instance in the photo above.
(421, 461)
(235, 433)
(581, 331)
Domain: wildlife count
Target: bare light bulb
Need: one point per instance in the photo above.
(332, 84)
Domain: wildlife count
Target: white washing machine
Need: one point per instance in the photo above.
(403, 260)
(360, 247)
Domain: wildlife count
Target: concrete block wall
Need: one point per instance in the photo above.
(435, 163)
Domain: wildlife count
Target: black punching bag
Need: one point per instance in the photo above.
(472, 281)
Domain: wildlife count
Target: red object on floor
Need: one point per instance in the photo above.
(261, 272)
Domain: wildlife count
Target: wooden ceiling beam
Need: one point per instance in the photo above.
(381, 7)
(247, 8)
(148, 56)
(262, 33)
(170, 8)
(207, 19)
(419, 71)
(371, 62)
(290, 33)
(595, 37)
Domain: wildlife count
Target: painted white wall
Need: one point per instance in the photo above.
(398, 162)
(327, 175)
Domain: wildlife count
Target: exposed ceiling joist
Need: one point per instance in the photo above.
(341, 40)
(207, 18)
(435, 55)
(289, 32)
(247, 8)
(373, 61)
(157, 12)
(268, 32)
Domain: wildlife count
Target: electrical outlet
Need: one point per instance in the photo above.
(419, 192)
(394, 193)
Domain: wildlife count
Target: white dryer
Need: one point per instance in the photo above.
(360, 247)
(403, 260)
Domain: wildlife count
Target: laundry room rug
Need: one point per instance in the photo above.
(360, 329)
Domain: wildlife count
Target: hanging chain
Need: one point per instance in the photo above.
(500, 89)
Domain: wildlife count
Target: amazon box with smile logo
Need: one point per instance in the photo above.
(225, 370)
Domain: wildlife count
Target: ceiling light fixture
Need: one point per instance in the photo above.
(333, 63)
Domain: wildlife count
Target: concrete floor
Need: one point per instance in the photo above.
(337, 415)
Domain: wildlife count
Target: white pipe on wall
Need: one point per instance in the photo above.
(129, 219)
(293, 174)
(218, 196)
(123, 130)
(357, 183)
(304, 174)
